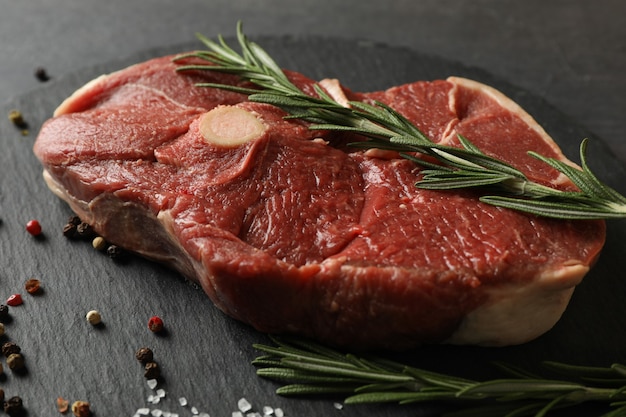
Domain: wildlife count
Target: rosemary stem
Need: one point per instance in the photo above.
(386, 128)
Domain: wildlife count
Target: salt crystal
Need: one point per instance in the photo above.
(278, 412)
(156, 413)
(152, 383)
(182, 401)
(237, 414)
(204, 415)
(254, 414)
(244, 405)
(161, 393)
(143, 411)
(268, 411)
(338, 406)
(156, 400)
(194, 411)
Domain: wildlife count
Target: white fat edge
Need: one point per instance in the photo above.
(65, 104)
(510, 105)
(519, 313)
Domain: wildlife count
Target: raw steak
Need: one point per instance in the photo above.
(290, 231)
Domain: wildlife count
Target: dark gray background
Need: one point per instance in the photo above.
(572, 52)
(563, 61)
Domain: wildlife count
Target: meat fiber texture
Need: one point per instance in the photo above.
(292, 232)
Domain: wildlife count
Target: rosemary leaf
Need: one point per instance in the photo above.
(386, 128)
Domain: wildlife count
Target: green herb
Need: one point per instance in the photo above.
(385, 128)
(308, 369)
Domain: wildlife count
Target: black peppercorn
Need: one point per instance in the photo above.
(9, 348)
(85, 231)
(115, 252)
(14, 406)
(4, 313)
(69, 230)
(41, 74)
(75, 220)
(152, 370)
(144, 355)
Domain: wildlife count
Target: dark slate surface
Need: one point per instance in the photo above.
(205, 355)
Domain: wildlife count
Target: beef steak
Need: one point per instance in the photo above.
(290, 231)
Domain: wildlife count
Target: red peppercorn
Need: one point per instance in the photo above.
(33, 227)
(155, 324)
(15, 300)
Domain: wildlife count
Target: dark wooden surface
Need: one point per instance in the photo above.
(554, 60)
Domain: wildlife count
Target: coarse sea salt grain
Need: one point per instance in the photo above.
(143, 411)
(278, 412)
(160, 393)
(244, 405)
(152, 383)
(267, 410)
(338, 406)
(194, 411)
(156, 413)
(236, 414)
(182, 401)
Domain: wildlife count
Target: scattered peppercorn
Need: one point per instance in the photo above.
(85, 230)
(69, 230)
(93, 317)
(15, 361)
(14, 406)
(15, 116)
(4, 313)
(144, 355)
(32, 286)
(115, 252)
(63, 405)
(152, 370)
(1, 395)
(155, 324)
(74, 219)
(81, 409)
(99, 243)
(33, 227)
(2, 329)
(15, 300)
(10, 348)
(41, 74)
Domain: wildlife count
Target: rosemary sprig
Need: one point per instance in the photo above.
(307, 368)
(385, 128)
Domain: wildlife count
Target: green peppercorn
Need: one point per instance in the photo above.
(144, 355)
(15, 361)
(15, 116)
(10, 348)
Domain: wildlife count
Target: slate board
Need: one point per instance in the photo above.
(205, 356)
